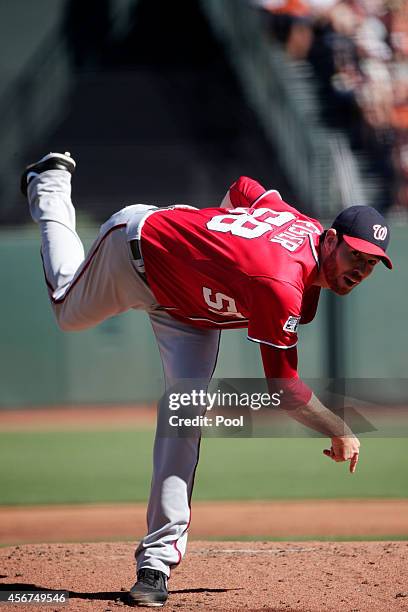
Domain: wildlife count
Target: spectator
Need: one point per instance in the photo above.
(359, 49)
(290, 22)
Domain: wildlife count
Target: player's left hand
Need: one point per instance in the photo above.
(344, 448)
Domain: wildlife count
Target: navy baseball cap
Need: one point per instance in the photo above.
(364, 229)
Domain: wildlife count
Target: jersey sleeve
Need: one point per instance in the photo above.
(245, 191)
(279, 364)
(275, 312)
(281, 372)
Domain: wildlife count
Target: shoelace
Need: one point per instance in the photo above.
(149, 576)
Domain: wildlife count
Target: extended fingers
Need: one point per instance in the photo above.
(353, 463)
(343, 456)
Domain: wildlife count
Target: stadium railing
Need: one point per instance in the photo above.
(317, 160)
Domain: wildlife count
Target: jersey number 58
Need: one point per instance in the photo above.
(247, 224)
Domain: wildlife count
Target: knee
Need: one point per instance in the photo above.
(66, 323)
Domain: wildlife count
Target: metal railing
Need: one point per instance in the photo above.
(282, 93)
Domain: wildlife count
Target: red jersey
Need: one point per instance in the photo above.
(252, 266)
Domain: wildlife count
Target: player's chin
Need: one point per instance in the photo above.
(340, 287)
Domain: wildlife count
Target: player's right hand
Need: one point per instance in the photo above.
(344, 448)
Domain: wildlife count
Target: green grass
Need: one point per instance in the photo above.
(240, 538)
(317, 538)
(102, 466)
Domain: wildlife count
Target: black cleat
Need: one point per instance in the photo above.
(150, 589)
(52, 161)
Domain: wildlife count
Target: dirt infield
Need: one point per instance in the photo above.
(216, 520)
(312, 576)
(307, 576)
(302, 576)
(78, 418)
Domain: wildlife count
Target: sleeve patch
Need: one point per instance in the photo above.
(292, 324)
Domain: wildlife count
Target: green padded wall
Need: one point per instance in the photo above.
(118, 361)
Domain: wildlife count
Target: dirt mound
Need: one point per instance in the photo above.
(312, 576)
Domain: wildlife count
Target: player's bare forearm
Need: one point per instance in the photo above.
(345, 445)
(319, 418)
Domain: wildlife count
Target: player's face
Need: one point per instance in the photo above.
(345, 268)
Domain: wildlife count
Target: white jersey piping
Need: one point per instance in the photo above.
(265, 194)
(218, 322)
(314, 252)
(279, 346)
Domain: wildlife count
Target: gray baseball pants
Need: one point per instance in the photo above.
(84, 291)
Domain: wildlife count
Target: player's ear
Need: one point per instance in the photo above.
(330, 239)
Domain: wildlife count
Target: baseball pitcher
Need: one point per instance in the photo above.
(255, 262)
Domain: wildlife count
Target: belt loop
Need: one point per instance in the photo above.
(134, 247)
(133, 228)
(137, 257)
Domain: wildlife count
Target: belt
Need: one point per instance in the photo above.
(137, 256)
(136, 252)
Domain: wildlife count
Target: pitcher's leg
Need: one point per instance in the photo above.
(187, 353)
(83, 292)
(49, 197)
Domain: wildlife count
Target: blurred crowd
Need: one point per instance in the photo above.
(359, 50)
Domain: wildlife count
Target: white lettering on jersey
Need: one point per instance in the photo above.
(293, 237)
(222, 305)
(288, 242)
(249, 224)
(255, 223)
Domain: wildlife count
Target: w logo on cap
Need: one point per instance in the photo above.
(365, 229)
(380, 232)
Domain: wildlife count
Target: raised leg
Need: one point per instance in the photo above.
(85, 291)
(49, 197)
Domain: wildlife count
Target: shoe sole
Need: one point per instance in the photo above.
(68, 164)
(149, 605)
(141, 602)
(146, 604)
(64, 156)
